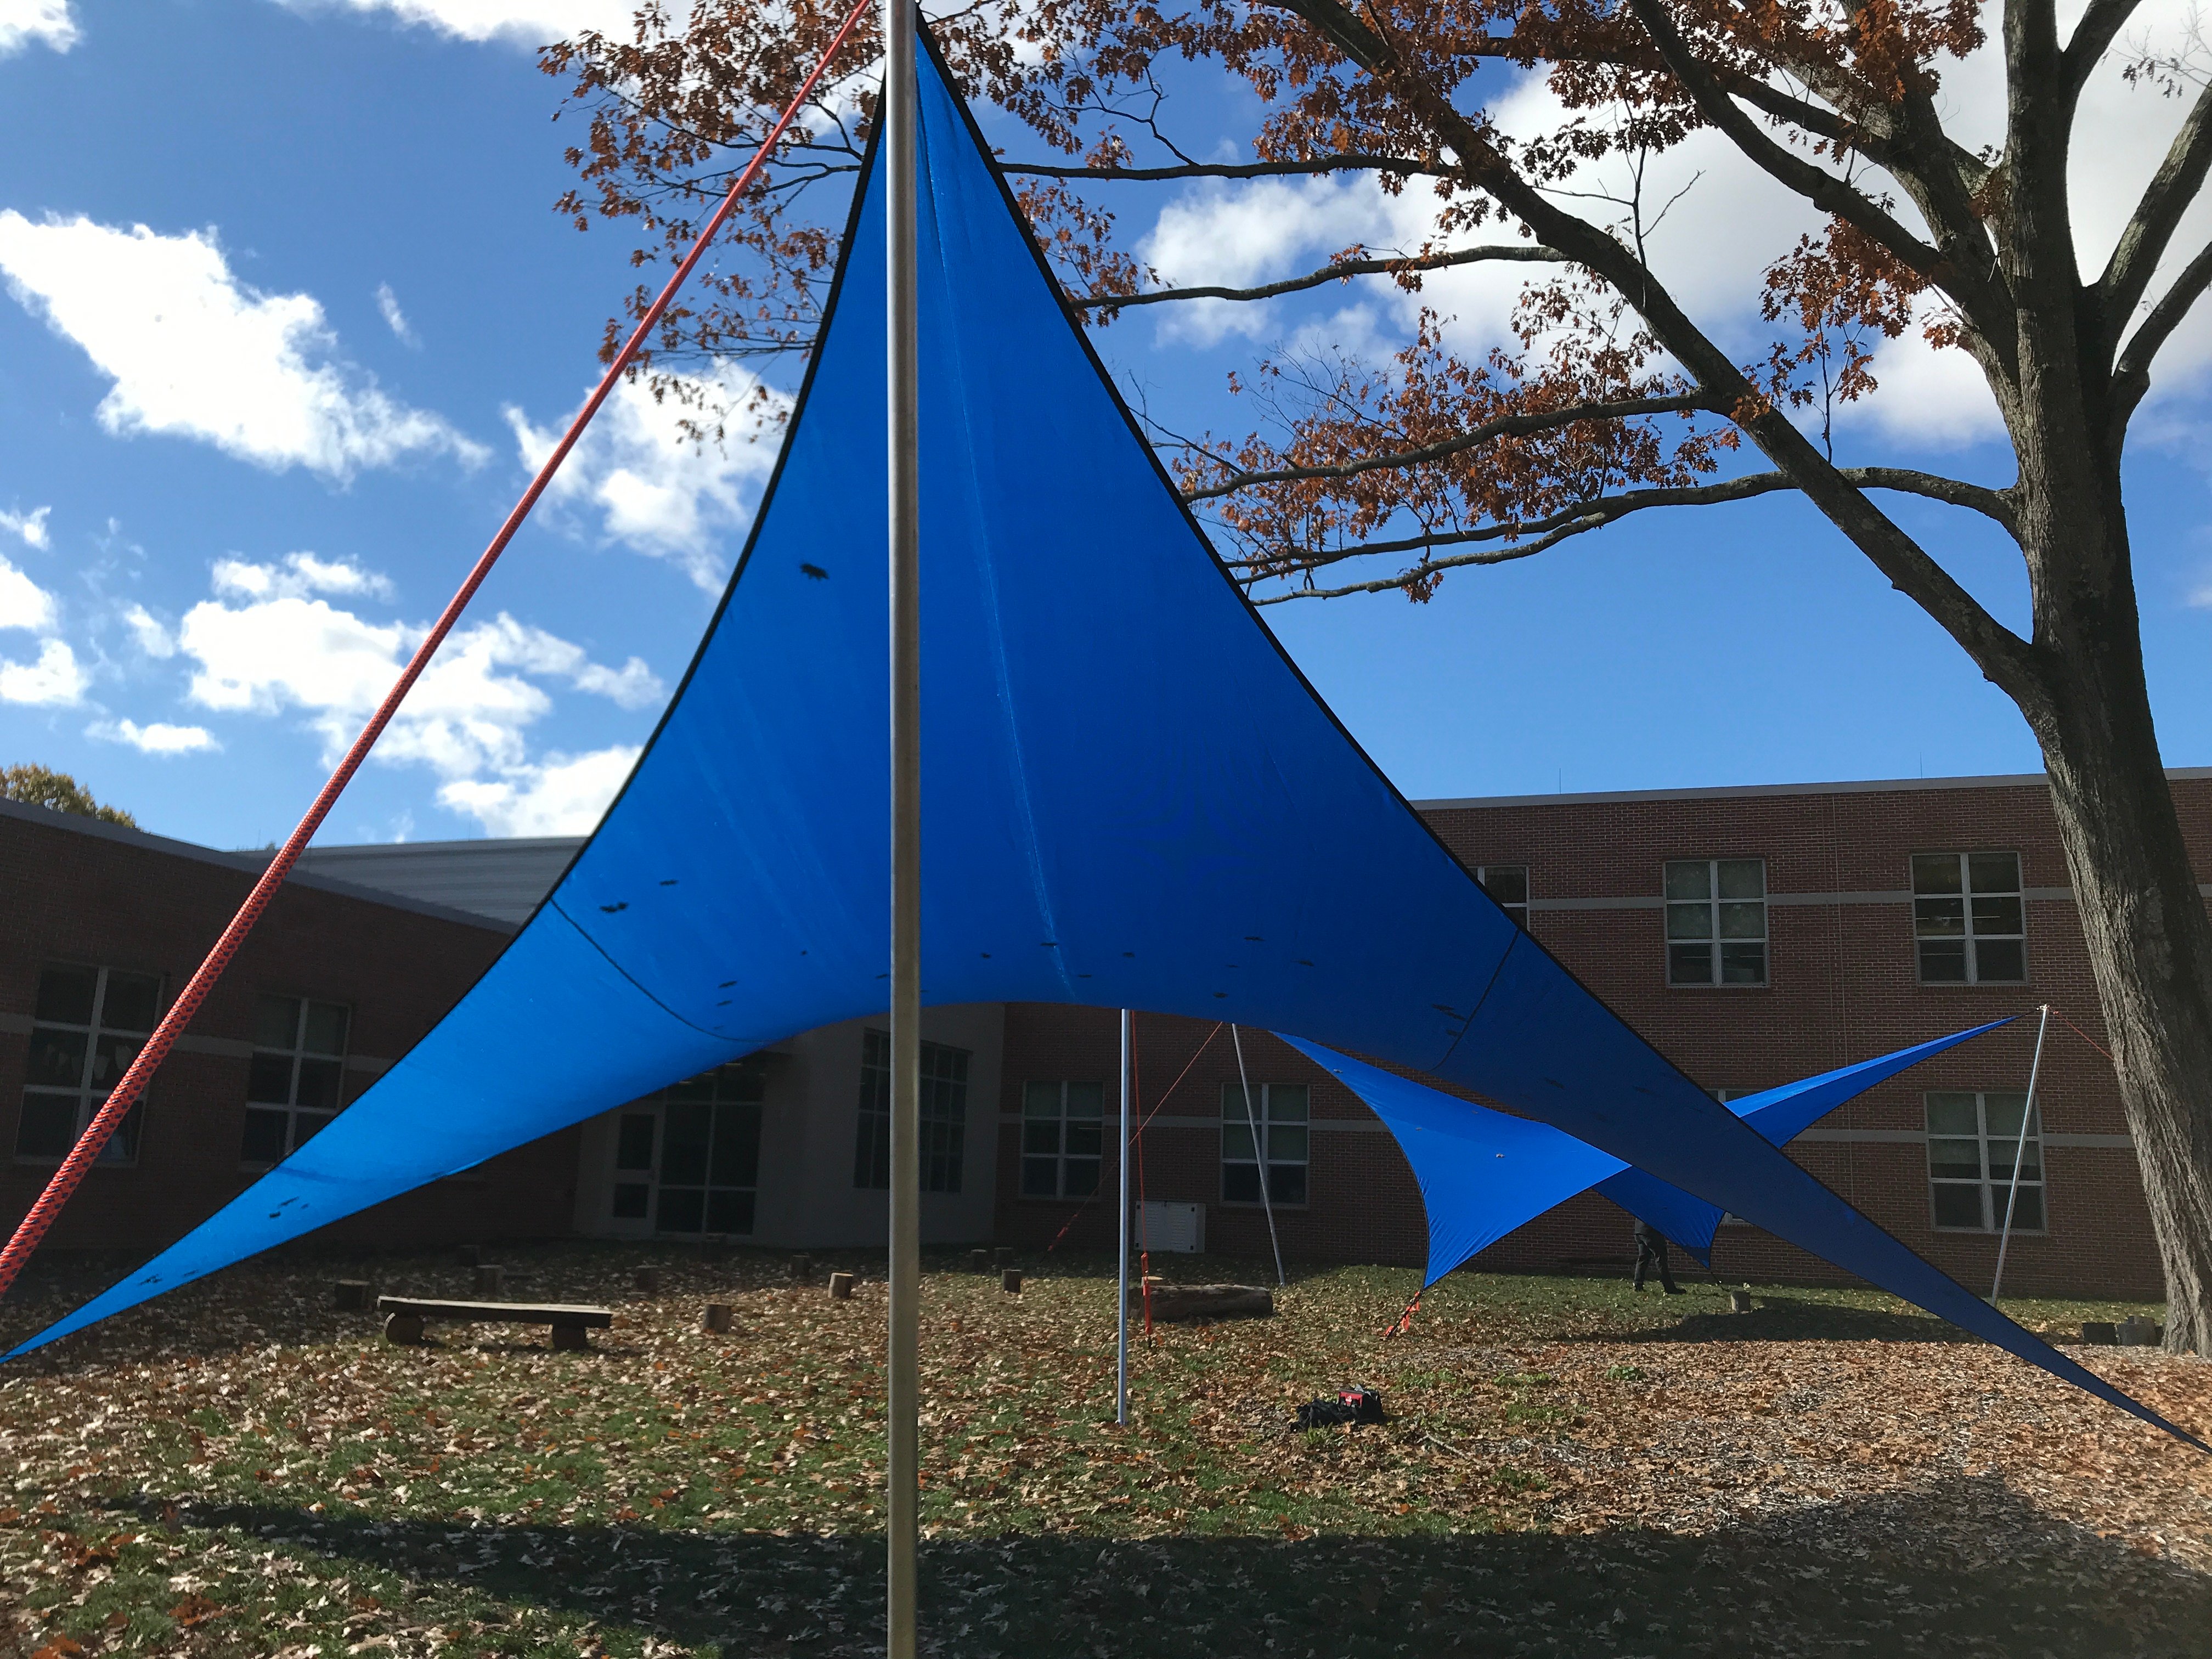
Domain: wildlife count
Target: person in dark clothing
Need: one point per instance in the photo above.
(1650, 1255)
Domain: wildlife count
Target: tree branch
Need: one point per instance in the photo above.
(1525, 252)
(2180, 176)
(1599, 511)
(1505, 426)
(2100, 26)
(1348, 163)
(1816, 185)
(2131, 374)
(1546, 533)
(2001, 654)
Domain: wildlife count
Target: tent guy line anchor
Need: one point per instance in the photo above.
(148, 1060)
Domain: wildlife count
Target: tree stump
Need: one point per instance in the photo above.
(2100, 1333)
(840, 1286)
(353, 1295)
(490, 1280)
(648, 1279)
(404, 1329)
(979, 1261)
(570, 1338)
(718, 1316)
(1010, 1280)
(1739, 1301)
(802, 1268)
(1170, 1303)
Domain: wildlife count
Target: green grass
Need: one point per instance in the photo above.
(238, 1469)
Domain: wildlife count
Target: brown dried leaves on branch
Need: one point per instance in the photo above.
(1555, 450)
(670, 109)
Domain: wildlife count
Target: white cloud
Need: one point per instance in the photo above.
(278, 647)
(195, 353)
(525, 22)
(1726, 222)
(298, 575)
(54, 681)
(151, 633)
(23, 603)
(41, 22)
(387, 302)
(652, 489)
(155, 740)
(1239, 236)
(564, 795)
(31, 526)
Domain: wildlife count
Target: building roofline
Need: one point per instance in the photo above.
(250, 863)
(401, 848)
(1741, 791)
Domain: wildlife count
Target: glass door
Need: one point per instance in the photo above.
(687, 1160)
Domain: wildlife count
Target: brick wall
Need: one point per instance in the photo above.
(92, 896)
(1843, 985)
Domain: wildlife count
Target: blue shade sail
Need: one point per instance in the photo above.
(1483, 1173)
(1779, 1114)
(1131, 799)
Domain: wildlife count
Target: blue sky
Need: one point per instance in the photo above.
(244, 449)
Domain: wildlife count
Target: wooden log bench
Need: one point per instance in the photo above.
(1174, 1302)
(406, 1315)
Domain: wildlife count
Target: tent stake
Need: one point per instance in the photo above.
(1259, 1152)
(1121, 1332)
(2019, 1150)
(903, 371)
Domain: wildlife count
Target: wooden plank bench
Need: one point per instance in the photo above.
(405, 1315)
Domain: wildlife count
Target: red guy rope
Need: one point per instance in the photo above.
(33, 1225)
(2083, 1034)
(1076, 1214)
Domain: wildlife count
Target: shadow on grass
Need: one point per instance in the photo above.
(1786, 1318)
(1962, 1568)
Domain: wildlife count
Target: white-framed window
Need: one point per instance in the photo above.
(1969, 922)
(88, 1026)
(1281, 1112)
(1063, 1139)
(1716, 921)
(1973, 1137)
(943, 1115)
(687, 1160)
(295, 1082)
(1508, 884)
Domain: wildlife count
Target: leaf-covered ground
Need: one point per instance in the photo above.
(1569, 1470)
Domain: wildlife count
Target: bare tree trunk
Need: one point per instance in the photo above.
(2142, 915)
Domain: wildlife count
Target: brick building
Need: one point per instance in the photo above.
(1755, 935)
(102, 927)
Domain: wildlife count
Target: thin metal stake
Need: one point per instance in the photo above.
(903, 367)
(2019, 1151)
(1260, 1151)
(1121, 1336)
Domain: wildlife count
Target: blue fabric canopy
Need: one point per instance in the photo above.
(1483, 1173)
(1131, 799)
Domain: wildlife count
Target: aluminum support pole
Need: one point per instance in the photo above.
(899, 146)
(1122, 1331)
(1260, 1151)
(2019, 1150)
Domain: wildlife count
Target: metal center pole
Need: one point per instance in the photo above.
(2019, 1150)
(904, 371)
(1122, 1337)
